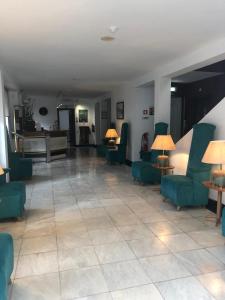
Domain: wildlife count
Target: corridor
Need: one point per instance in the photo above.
(91, 233)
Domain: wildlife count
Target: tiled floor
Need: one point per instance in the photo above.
(91, 233)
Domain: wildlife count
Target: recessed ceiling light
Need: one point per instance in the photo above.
(113, 28)
(107, 38)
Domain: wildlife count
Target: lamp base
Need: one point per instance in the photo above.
(163, 160)
(218, 177)
(111, 143)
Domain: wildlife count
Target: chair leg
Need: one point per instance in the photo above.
(178, 208)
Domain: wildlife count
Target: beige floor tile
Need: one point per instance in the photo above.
(214, 283)
(37, 264)
(135, 232)
(73, 240)
(82, 282)
(38, 244)
(145, 292)
(77, 258)
(113, 252)
(105, 236)
(208, 238)
(163, 228)
(200, 261)
(44, 287)
(179, 242)
(124, 275)
(148, 247)
(164, 267)
(183, 288)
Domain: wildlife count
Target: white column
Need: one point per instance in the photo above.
(3, 137)
(162, 100)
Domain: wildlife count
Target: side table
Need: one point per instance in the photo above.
(163, 170)
(210, 185)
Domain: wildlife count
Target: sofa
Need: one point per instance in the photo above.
(6, 263)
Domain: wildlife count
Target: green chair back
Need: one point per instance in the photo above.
(124, 134)
(160, 129)
(203, 133)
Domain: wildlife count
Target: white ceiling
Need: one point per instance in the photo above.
(44, 44)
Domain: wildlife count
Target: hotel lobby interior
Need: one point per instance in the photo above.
(112, 150)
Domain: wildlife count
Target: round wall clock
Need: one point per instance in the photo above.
(43, 111)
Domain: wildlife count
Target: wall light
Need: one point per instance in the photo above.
(173, 89)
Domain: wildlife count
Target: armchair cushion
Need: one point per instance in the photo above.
(177, 187)
(143, 170)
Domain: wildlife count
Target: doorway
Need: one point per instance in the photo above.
(66, 121)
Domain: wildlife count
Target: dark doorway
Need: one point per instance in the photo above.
(66, 121)
(84, 135)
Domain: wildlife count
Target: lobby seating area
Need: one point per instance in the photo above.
(90, 232)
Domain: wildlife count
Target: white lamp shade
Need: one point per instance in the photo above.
(215, 153)
(1, 171)
(163, 142)
(111, 133)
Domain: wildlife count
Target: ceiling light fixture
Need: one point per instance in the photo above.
(107, 38)
(173, 89)
(113, 28)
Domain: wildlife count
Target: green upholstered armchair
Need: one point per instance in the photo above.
(20, 168)
(6, 263)
(119, 155)
(143, 171)
(12, 198)
(188, 190)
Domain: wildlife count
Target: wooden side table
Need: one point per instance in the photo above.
(210, 185)
(163, 170)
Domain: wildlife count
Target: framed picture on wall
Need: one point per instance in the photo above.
(83, 115)
(120, 110)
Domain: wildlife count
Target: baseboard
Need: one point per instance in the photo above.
(82, 146)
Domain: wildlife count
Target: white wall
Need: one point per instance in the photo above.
(135, 101)
(48, 101)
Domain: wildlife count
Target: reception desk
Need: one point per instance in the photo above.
(52, 144)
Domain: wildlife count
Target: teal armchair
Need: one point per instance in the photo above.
(119, 155)
(188, 190)
(6, 263)
(12, 198)
(143, 171)
(20, 168)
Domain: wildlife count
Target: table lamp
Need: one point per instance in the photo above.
(215, 154)
(164, 143)
(1, 171)
(111, 134)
